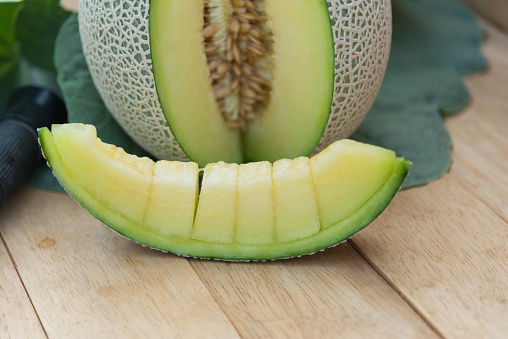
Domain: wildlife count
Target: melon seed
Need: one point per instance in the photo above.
(235, 37)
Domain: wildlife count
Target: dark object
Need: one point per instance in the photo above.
(28, 109)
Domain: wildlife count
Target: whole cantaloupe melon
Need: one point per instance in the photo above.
(236, 80)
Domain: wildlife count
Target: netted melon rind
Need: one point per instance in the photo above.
(115, 38)
(362, 32)
(116, 45)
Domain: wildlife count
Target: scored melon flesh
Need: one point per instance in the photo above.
(290, 124)
(217, 207)
(173, 199)
(255, 224)
(363, 169)
(130, 194)
(125, 182)
(296, 212)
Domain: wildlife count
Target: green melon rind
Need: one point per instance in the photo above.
(329, 237)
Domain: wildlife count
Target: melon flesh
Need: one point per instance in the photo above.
(217, 208)
(303, 79)
(295, 200)
(248, 212)
(175, 182)
(255, 223)
(182, 80)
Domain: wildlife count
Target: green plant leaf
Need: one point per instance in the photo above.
(435, 43)
(9, 49)
(38, 24)
(27, 33)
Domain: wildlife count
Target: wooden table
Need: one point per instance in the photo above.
(434, 265)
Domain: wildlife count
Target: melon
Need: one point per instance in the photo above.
(254, 211)
(236, 80)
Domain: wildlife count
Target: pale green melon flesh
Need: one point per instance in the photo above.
(255, 223)
(216, 214)
(118, 189)
(109, 190)
(295, 200)
(290, 125)
(303, 79)
(177, 182)
(372, 169)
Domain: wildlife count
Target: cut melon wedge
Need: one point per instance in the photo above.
(251, 211)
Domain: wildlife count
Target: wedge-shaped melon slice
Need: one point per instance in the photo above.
(255, 221)
(295, 200)
(216, 215)
(173, 199)
(243, 212)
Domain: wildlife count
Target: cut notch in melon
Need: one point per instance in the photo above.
(150, 224)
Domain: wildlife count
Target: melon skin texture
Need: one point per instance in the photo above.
(157, 203)
(117, 42)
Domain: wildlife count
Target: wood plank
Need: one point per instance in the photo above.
(17, 316)
(481, 150)
(444, 246)
(446, 252)
(330, 294)
(86, 281)
(495, 11)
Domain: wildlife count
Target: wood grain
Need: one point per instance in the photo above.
(17, 316)
(495, 11)
(445, 246)
(328, 295)
(86, 281)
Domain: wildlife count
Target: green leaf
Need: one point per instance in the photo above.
(27, 32)
(435, 43)
(84, 105)
(9, 49)
(9, 10)
(38, 24)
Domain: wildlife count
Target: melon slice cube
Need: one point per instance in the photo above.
(173, 200)
(217, 209)
(255, 221)
(296, 212)
(346, 175)
(125, 182)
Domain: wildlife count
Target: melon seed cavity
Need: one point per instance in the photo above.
(238, 45)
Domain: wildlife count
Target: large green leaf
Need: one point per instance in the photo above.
(28, 30)
(435, 43)
(37, 27)
(9, 10)
(9, 48)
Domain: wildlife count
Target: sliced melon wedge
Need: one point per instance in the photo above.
(243, 212)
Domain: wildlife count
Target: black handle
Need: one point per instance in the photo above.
(29, 108)
(19, 153)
